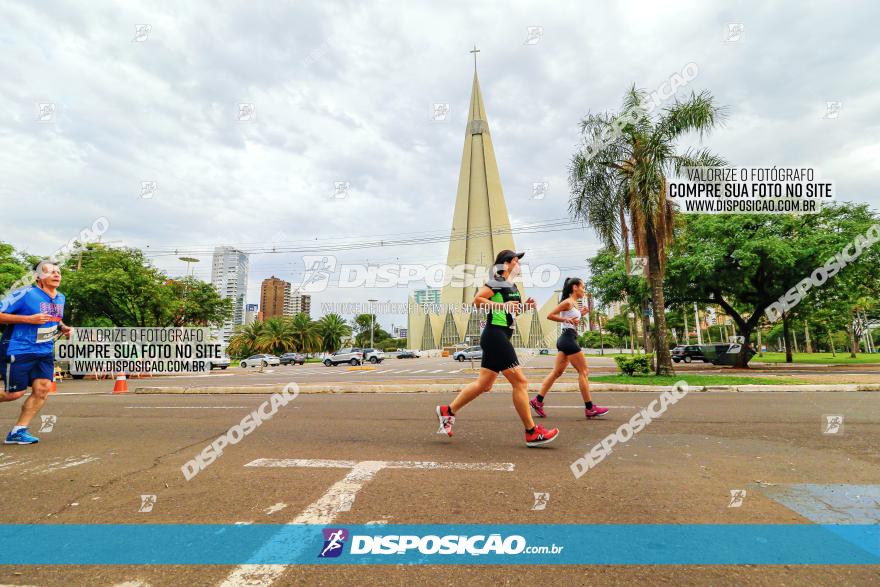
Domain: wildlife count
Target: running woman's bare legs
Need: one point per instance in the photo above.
(557, 371)
(579, 362)
(469, 392)
(520, 395)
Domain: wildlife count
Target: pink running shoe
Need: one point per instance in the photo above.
(446, 420)
(595, 412)
(538, 407)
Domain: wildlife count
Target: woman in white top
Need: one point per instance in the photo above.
(570, 352)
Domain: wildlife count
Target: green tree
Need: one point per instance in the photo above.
(244, 341)
(198, 303)
(306, 337)
(117, 287)
(744, 263)
(332, 329)
(277, 336)
(620, 175)
(12, 267)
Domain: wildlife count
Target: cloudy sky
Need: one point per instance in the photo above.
(343, 92)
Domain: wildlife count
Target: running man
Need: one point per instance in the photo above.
(502, 298)
(569, 315)
(34, 314)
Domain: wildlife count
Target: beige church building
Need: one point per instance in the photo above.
(480, 228)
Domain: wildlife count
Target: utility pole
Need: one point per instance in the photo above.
(687, 334)
(372, 321)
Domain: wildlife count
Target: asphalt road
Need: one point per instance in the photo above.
(104, 452)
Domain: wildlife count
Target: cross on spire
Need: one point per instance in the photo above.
(475, 51)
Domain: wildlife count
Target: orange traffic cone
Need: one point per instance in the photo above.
(121, 384)
(54, 388)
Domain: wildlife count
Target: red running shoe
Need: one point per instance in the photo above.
(538, 407)
(595, 412)
(446, 420)
(541, 436)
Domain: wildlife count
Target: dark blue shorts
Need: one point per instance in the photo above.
(19, 371)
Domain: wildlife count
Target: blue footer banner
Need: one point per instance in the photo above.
(628, 544)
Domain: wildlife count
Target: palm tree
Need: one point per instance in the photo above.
(244, 341)
(277, 336)
(332, 329)
(618, 183)
(305, 333)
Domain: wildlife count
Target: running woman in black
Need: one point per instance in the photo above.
(570, 351)
(501, 298)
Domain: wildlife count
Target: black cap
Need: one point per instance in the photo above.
(508, 255)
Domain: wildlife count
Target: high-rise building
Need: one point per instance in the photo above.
(480, 229)
(299, 302)
(274, 297)
(229, 272)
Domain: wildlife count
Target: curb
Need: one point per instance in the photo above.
(456, 387)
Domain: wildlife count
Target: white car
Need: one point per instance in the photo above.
(219, 362)
(260, 360)
(473, 352)
(374, 356)
(346, 355)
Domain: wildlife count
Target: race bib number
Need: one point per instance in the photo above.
(46, 333)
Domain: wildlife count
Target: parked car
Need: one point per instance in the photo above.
(688, 353)
(372, 355)
(219, 363)
(472, 352)
(351, 356)
(544, 352)
(260, 360)
(292, 359)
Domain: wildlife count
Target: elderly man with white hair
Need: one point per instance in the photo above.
(32, 317)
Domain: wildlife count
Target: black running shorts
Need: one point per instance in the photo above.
(498, 352)
(568, 342)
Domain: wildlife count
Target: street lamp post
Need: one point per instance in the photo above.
(372, 321)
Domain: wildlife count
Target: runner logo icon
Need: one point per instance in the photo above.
(334, 540)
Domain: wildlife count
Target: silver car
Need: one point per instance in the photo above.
(346, 355)
(260, 360)
(473, 352)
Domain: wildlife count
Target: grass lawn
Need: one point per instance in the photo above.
(842, 358)
(693, 379)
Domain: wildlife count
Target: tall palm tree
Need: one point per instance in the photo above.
(277, 336)
(618, 183)
(244, 341)
(332, 329)
(305, 333)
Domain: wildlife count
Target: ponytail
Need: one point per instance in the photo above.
(568, 286)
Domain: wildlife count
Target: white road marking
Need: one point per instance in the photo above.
(339, 498)
(274, 508)
(419, 371)
(66, 463)
(437, 371)
(6, 462)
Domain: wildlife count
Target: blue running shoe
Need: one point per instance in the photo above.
(21, 437)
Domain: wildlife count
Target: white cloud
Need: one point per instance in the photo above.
(343, 91)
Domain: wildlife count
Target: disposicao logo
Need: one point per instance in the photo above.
(334, 540)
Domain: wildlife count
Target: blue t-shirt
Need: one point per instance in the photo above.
(35, 339)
